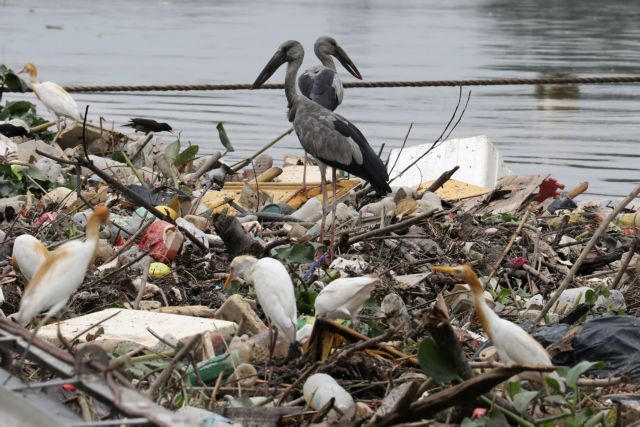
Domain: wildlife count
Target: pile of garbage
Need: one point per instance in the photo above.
(395, 343)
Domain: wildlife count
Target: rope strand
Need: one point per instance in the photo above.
(359, 84)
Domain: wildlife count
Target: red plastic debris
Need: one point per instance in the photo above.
(47, 217)
(517, 262)
(69, 387)
(478, 413)
(162, 241)
(548, 188)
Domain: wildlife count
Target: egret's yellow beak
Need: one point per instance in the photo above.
(442, 269)
(22, 71)
(229, 279)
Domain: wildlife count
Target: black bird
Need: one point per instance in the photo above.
(148, 125)
(9, 130)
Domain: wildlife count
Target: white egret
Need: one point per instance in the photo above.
(514, 345)
(343, 298)
(274, 290)
(62, 272)
(52, 95)
(28, 255)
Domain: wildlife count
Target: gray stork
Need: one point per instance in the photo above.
(322, 83)
(325, 135)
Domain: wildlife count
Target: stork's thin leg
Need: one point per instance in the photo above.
(323, 186)
(333, 216)
(304, 173)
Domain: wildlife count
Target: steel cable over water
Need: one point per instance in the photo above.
(359, 84)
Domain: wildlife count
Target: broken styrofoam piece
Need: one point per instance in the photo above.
(431, 200)
(238, 310)
(62, 196)
(319, 389)
(194, 230)
(51, 169)
(386, 205)
(8, 150)
(121, 171)
(480, 162)
(131, 326)
(569, 298)
(355, 266)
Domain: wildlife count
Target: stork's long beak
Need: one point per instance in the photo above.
(347, 63)
(274, 63)
(229, 279)
(442, 269)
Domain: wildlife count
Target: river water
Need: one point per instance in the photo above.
(579, 133)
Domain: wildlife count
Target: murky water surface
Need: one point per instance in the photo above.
(584, 133)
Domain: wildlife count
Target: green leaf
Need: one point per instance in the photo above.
(14, 83)
(118, 157)
(513, 387)
(16, 170)
(186, 156)
(557, 399)
(299, 253)
(18, 108)
(439, 365)
(522, 400)
(575, 372)
(172, 150)
(590, 297)
(224, 139)
(468, 422)
(497, 419)
(553, 383)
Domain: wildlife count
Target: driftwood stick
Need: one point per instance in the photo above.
(166, 373)
(543, 278)
(389, 228)
(510, 244)
(625, 263)
(442, 179)
(585, 251)
(457, 395)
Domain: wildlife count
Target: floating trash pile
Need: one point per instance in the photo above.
(212, 293)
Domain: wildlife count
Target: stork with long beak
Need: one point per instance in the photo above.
(330, 138)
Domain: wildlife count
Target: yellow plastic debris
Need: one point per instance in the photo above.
(158, 270)
(168, 211)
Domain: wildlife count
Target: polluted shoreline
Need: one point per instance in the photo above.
(165, 317)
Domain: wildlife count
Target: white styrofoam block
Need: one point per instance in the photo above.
(479, 160)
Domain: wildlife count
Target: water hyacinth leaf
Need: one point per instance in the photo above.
(186, 156)
(17, 109)
(298, 253)
(14, 83)
(439, 365)
(522, 400)
(224, 139)
(575, 372)
(172, 150)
